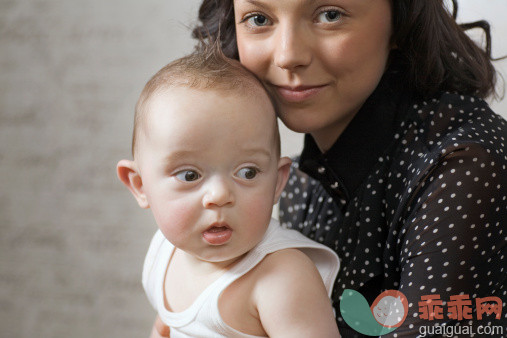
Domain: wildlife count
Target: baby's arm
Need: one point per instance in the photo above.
(291, 298)
(159, 330)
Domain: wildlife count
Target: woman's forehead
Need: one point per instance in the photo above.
(268, 4)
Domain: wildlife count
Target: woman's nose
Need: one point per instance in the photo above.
(218, 193)
(291, 47)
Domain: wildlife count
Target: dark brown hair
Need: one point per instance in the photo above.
(435, 51)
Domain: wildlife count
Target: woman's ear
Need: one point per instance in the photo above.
(128, 173)
(283, 175)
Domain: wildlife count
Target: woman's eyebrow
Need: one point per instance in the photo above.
(258, 3)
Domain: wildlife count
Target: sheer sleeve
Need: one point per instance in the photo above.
(452, 241)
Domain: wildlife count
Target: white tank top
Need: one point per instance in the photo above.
(202, 318)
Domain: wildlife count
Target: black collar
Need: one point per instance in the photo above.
(365, 139)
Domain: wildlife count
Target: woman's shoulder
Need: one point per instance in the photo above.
(444, 135)
(453, 117)
(450, 122)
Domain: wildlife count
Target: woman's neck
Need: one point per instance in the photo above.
(326, 137)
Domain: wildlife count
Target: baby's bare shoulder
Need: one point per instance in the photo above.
(288, 270)
(286, 261)
(267, 286)
(291, 298)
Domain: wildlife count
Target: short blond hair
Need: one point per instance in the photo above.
(207, 68)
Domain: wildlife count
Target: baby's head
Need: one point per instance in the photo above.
(205, 71)
(206, 156)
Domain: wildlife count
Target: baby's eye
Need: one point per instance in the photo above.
(258, 20)
(188, 175)
(248, 173)
(329, 16)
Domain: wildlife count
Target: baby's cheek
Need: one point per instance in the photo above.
(174, 219)
(258, 206)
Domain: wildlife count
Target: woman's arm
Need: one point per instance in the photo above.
(453, 239)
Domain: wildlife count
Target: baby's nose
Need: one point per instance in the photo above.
(218, 193)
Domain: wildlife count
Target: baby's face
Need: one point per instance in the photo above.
(209, 167)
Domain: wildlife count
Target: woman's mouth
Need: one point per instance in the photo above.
(299, 93)
(217, 234)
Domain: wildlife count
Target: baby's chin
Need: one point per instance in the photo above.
(223, 259)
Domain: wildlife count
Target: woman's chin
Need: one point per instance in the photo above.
(300, 121)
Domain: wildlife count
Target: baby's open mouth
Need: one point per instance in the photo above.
(217, 234)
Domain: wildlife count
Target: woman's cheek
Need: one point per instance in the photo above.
(252, 56)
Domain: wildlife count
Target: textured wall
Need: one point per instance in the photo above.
(72, 239)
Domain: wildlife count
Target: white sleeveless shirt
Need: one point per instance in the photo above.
(202, 318)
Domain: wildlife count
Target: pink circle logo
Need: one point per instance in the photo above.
(390, 308)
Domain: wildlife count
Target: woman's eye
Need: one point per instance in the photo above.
(247, 173)
(257, 20)
(187, 175)
(329, 16)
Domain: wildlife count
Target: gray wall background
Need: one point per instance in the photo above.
(72, 239)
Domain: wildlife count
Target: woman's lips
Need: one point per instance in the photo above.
(300, 93)
(217, 234)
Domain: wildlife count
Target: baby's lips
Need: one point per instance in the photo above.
(217, 234)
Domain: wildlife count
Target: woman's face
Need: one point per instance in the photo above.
(322, 58)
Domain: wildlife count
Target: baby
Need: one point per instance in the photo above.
(207, 162)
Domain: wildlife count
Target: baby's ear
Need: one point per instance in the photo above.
(283, 175)
(128, 173)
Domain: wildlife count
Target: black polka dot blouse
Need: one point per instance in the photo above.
(411, 197)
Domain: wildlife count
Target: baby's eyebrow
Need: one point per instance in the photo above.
(255, 151)
(179, 155)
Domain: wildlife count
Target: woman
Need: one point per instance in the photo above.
(403, 168)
